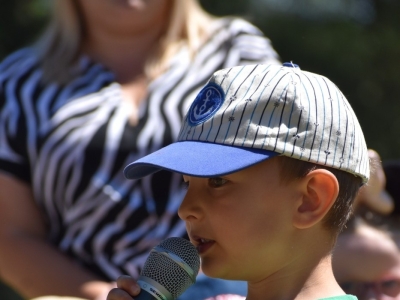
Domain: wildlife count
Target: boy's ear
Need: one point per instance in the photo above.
(320, 189)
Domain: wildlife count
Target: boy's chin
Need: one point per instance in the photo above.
(218, 270)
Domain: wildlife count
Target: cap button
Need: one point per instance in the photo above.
(291, 65)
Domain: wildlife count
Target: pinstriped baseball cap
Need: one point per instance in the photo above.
(247, 114)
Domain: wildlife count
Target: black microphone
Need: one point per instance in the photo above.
(171, 268)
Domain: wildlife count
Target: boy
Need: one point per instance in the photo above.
(264, 150)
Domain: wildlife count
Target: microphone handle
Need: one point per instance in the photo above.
(144, 295)
(152, 290)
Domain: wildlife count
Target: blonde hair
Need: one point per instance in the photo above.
(60, 45)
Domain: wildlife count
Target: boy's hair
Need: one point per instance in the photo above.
(349, 185)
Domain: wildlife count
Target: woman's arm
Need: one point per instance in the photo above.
(28, 262)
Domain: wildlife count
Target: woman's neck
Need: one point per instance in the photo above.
(125, 56)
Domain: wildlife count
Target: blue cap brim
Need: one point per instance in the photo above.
(198, 159)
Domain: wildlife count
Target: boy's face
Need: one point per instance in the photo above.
(241, 223)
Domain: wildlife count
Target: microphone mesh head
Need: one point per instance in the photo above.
(167, 271)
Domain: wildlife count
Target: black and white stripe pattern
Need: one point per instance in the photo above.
(72, 143)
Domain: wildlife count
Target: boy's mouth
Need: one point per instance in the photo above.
(202, 244)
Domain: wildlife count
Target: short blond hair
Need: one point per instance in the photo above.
(60, 45)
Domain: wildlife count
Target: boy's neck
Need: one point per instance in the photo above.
(302, 282)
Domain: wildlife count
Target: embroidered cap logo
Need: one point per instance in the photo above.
(206, 104)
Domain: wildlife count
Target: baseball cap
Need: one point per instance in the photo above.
(247, 114)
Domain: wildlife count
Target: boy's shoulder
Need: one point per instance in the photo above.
(343, 297)
(237, 297)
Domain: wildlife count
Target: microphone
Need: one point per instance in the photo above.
(170, 269)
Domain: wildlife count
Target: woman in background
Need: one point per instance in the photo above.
(107, 83)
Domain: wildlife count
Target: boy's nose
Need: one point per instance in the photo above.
(189, 209)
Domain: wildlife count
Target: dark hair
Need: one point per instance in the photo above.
(392, 172)
(349, 185)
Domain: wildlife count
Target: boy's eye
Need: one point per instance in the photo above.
(217, 182)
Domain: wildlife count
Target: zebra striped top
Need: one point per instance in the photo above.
(72, 142)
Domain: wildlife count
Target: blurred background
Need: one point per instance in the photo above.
(356, 43)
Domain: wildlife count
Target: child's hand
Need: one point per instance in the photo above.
(127, 288)
(373, 194)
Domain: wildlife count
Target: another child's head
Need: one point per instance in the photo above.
(366, 263)
(273, 157)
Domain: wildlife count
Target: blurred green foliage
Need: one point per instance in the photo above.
(363, 59)
(21, 22)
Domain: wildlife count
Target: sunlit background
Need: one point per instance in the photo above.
(356, 43)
